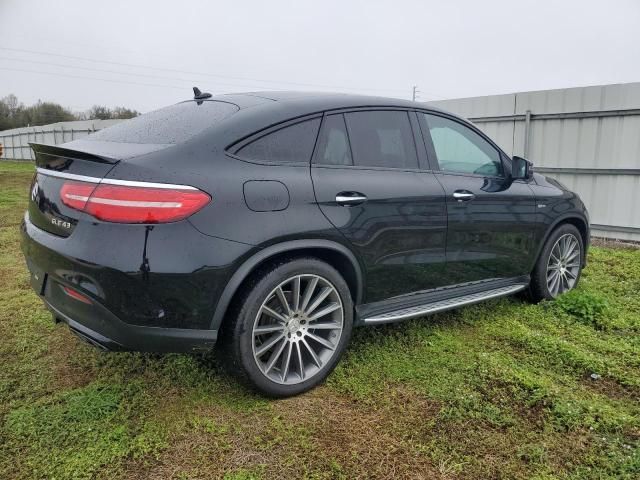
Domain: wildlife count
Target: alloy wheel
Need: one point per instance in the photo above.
(563, 266)
(297, 329)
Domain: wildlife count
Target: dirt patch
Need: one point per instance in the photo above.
(365, 442)
(318, 434)
(324, 435)
(210, 442)
(611, 388)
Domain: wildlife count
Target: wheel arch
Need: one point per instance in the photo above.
(334, 253)
(579, 222)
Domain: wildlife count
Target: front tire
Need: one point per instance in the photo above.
(559, 267)
(292, 325)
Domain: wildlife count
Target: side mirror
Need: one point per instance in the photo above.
(521, 168)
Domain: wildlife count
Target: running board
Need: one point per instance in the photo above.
(442, 305)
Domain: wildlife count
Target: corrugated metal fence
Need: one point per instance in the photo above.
(588, 138)
(15, 143)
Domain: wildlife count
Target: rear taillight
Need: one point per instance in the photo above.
(133, 204)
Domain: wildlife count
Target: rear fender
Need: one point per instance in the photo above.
(265, 254)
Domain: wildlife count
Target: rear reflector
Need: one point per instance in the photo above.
(76, 295)
(133, 204)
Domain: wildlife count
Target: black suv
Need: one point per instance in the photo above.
(272, 223)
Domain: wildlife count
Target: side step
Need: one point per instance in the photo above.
(442, 305)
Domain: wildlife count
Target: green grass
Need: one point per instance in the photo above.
(498, 390)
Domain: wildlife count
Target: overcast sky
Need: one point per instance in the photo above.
(81, 53)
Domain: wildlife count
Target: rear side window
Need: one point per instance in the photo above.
(382, 139)
(333, 143)
(289, 144)
(175, 124)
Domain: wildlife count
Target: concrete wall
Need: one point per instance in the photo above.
(588, 138)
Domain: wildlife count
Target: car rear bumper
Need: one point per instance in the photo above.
(130, 289)
(105, 331)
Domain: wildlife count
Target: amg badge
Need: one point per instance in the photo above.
(60, 223)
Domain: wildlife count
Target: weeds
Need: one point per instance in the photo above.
(588, 308)
(503, 389)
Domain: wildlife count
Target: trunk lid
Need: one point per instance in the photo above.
(56, 165)
(94, 156)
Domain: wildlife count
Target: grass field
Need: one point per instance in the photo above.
(498, 390)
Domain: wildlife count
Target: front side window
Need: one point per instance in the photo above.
(287, 145)
(382, 139)
(459, 149)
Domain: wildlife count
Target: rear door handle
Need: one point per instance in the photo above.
(463, 195)
(350, 198)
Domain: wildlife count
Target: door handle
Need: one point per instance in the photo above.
(463, 195)
(350, 198)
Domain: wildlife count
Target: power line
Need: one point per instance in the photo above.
(128, 74)
(197, 73)
(91, 78)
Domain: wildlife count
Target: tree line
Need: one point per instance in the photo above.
(15, 114)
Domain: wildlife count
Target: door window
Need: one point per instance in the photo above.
(333, 143)
(382, 139)
(459, 149)
(289, 144)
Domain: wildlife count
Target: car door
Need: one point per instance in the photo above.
(491, 219)
(369, 184)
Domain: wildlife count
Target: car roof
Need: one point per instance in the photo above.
(316, 101)
(261, 110)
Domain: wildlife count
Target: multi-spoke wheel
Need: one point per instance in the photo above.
(292, 327)
(560, 264)
(297, 329)
(563, 266)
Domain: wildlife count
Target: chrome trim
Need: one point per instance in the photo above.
(131, 183)
(111, 181)
(69, 176)
(343, 199)
(439, 306)
(462, 196)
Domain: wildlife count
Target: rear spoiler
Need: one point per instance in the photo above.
(44, 154)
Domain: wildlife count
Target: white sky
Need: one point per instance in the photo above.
(450, 49)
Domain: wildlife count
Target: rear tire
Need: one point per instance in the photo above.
(291, 325)
(559, 266)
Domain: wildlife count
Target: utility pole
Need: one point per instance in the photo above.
(415, 93)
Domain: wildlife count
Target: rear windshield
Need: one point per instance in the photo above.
(175, 124)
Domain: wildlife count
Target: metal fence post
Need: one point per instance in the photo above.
(527, 133)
